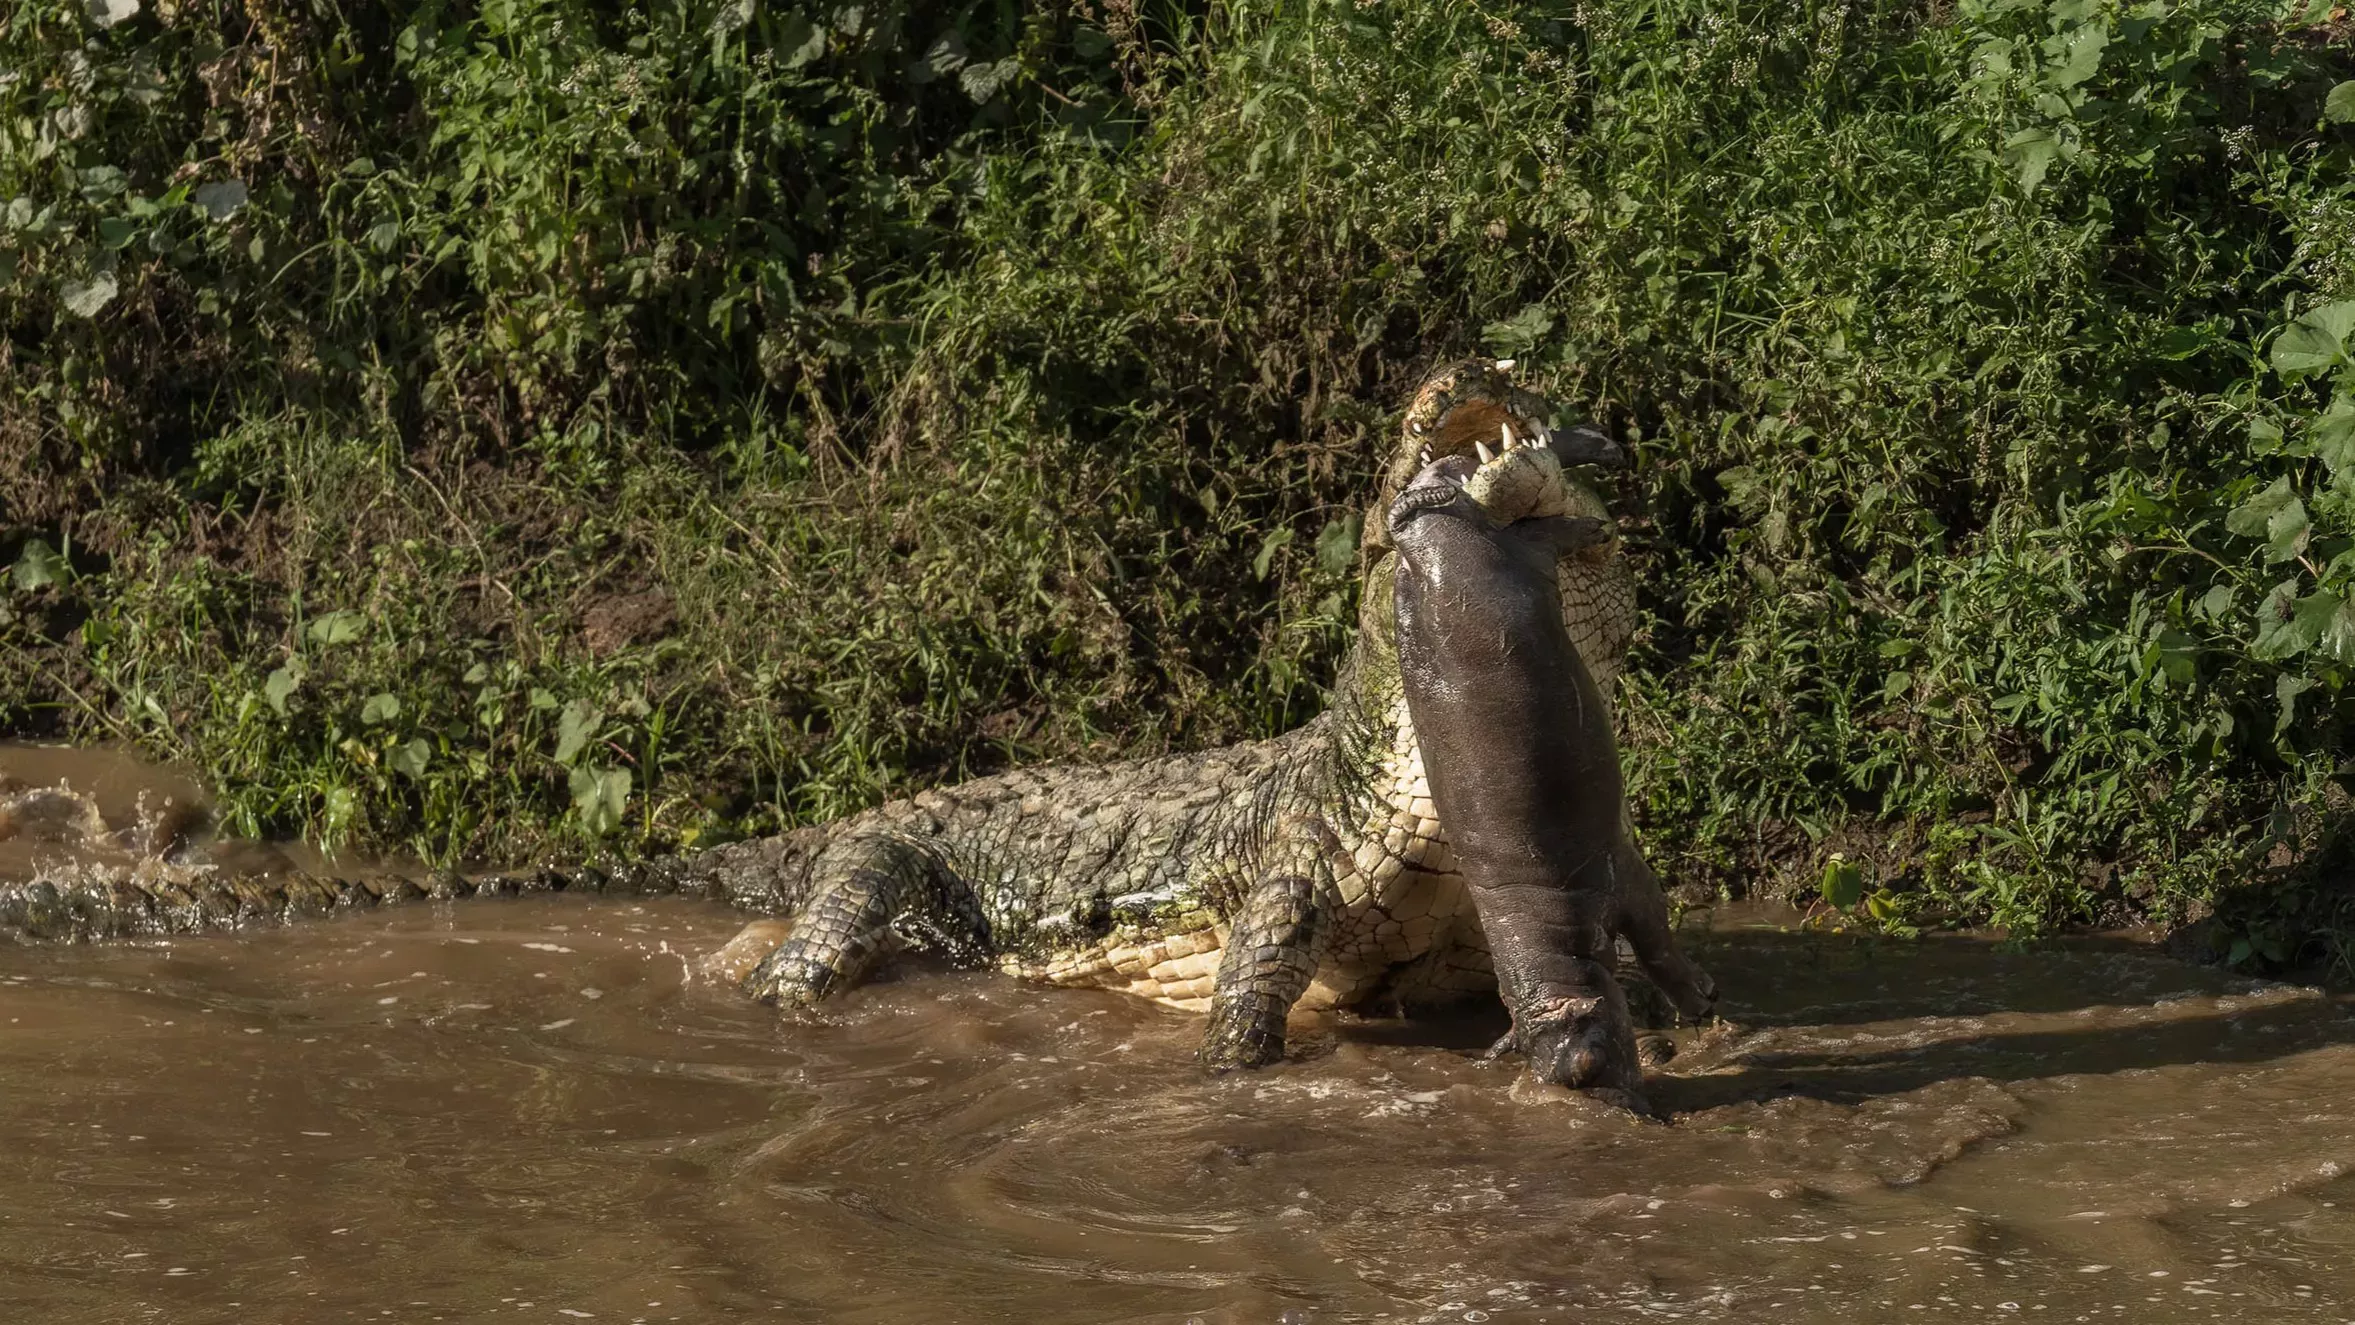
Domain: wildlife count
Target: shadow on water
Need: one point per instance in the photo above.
(1847, 1018)
(1849, 1075)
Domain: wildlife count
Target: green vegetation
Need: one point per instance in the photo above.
(483, 428)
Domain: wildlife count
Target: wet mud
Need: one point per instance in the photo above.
(541, 1109)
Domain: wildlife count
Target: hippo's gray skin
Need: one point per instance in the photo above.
(1523, 766)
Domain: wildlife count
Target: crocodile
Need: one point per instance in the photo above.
(1310, 870)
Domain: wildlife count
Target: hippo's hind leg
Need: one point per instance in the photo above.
(865, 891)
(1643, 922)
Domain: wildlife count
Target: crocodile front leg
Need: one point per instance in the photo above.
(866, 890)
(1275, 941)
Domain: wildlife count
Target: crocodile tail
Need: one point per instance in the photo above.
(769, 875)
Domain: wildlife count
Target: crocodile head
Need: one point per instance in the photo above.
(1462, 409)
(1473, 408)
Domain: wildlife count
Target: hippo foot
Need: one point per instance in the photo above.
(1582, 1038)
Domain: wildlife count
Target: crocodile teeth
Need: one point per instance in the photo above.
(1486, 455)
(1510, 440)
(1420, 428)
(1545, 436)
(1426, 456)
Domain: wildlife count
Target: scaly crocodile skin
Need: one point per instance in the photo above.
(1307, 870)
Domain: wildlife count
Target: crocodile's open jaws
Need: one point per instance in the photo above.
(1312, 869)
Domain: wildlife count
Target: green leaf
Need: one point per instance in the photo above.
(2183, 342)
(2332, 433)
(1519, 334)
(1882, 904)
(801, 40)
(1843, 882)
(220, 198)
(38, 567)
(1337, 543)
(341, 806)
(2029, 154)
(2177, 654)
(411, 757)
(1268, 547)
(85, 297)
(1744, 487)
(380, 709)
(945, 57)
(2286, 533)
(731, 15)
(337, 628)
(2251, 517)
(601, 796)
(2339, 106)
(2288, 625)
(2286, 689)
(575, 728)
(982, 80)
(2316, 341)
(2083, 58)
(2337, 641)
(280, 685)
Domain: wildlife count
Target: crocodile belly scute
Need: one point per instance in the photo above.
(1173, 969)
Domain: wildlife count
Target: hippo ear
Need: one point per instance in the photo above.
(1585, 444)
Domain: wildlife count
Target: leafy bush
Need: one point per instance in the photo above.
(474, 428)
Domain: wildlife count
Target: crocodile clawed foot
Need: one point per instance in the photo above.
(789, 980)
(1246, 1031)
(1220, 1056)
(1654, 1049)
(1219, 1060)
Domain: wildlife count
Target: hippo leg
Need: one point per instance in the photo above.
(1552, 951)
(1643, 922)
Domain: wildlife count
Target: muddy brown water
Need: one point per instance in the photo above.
(536, 1110)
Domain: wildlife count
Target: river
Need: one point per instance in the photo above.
(538, 1109)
